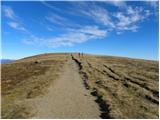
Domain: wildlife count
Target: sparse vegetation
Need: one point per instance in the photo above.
(123, 87)
(129, 86)
(26, 79)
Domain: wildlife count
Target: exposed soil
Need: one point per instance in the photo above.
(71, 86)
(67, 97)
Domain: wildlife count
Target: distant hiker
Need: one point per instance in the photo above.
(79, 55)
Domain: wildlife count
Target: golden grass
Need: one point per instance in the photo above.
(24, 80)
(129, 86)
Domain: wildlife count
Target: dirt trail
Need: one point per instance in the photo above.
(67, 97)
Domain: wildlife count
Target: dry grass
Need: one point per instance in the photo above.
(26, 79)
(129, 86)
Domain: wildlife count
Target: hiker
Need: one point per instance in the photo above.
(79, 55)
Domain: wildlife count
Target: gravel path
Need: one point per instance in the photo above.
(67, 97)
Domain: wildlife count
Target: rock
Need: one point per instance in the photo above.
(98, 82)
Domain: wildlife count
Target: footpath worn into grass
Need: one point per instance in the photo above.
(67, 97)
(65, 85)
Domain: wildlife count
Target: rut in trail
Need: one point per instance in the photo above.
(67, 97)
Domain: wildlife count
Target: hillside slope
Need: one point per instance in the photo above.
(68, 86)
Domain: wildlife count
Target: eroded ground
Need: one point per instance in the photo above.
(129, 87)
(102, 87)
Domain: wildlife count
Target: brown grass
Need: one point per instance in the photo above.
(26, 79)
(129, 86)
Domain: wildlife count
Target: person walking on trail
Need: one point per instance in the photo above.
(79, 55)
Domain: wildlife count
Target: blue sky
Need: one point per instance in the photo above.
(117, 28)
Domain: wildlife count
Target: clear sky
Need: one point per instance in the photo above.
(116, 28)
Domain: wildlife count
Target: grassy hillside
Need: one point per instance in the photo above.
(124, 87)
(129, 87)
(24, 79)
